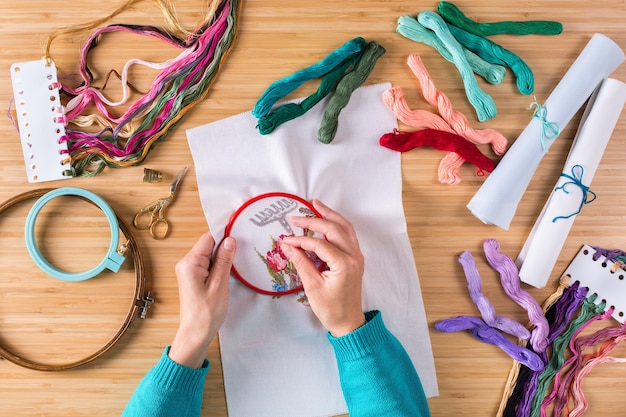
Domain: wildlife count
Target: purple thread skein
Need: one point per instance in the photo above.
(485, 333)
(509, 276)
(487, 311)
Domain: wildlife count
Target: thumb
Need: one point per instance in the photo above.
(223, 260)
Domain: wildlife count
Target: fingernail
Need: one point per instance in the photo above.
(318, 203)
(229, 243)
(287, 249)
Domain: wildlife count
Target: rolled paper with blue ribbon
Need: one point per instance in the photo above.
(497, 199)
(571, 192)
(112, 260)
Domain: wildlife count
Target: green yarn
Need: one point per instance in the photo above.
(494, 53)
(346, 86)
(453, 15)
(347, 53)
(482, 102)
(410, 28)
(290, 111)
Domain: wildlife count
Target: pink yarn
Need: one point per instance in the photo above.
(450, 165)
(455, 119)
(593, 360)
(557, 379)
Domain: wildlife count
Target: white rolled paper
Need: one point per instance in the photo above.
(497, 199)
(542, 248)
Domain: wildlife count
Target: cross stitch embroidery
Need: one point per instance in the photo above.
(281, 270)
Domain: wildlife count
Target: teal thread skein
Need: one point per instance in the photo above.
(346, 86)
(494, 53)
(410, 28)
(290, 111)
(453, 15)
(286, 85)
(482, 102)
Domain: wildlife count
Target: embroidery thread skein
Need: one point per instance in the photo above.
(484, 333)
(282, 87)
(563, 311)
(453, 15)
(410, 28)
(516, 372)
(455, 119)
(450, 165)
(588, 312)
(481, 101)
(496, 54)
(181, 83)
(599, 357)
(346, 86)
(487, 310)
(331, 69)
(575, 362)
(548, 400)
(509, 277)
(406, 141)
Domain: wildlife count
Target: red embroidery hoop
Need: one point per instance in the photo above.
(266, 213)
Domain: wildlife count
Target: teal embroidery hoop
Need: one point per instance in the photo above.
(113, 259)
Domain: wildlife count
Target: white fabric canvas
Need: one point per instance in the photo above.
(276, 358)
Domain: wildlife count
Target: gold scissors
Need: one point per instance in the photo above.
(152, 217)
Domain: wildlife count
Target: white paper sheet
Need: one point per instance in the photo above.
(497, 199)
(276, 358)
(542, 248)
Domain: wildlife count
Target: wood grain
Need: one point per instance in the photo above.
(55, 321)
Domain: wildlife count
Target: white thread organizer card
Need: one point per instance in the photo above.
(38, 107)
(603, 277)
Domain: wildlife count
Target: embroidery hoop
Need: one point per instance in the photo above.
(114, 257)
(139, 306)
(269, 212)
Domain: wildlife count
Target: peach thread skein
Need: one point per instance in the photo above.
(448, 171)
(456, 119)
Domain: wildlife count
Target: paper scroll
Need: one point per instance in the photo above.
(542, 248)
(497, 199)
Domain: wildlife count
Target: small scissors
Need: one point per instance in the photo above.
(156, 210)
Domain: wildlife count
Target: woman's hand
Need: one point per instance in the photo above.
(203, 295)
(334, 294)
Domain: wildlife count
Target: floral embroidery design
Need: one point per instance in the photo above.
(282, 271)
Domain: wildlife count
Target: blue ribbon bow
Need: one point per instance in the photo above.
(549, 130)
(576, 179)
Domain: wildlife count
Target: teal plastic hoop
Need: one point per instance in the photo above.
(113, 259)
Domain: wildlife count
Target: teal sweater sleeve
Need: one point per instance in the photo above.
(377, 376)
(168, 390)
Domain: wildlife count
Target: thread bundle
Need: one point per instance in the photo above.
(341, 72)
(182, 82)
(448, 120)
(550, 362)
(463, 42)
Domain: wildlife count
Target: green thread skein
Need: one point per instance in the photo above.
(494, 53)
(350, 82)
(455, 16)
(267, 124)
(410, 28)
(280, 88)
(481, 101)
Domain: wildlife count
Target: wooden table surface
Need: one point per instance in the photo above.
(47, 320)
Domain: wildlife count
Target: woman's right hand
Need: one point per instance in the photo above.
(334, 294)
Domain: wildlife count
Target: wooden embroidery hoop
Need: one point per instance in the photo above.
(139, 307)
